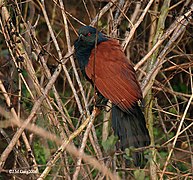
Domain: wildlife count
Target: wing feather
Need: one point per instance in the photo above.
(113, 75)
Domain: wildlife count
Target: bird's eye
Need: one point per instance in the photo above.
(89, 34)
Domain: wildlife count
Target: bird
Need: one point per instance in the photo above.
(103, 63)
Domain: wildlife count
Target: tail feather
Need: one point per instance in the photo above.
(131, 129)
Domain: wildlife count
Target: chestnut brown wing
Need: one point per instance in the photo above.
(113, 75)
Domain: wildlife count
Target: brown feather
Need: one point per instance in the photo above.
(113, 75)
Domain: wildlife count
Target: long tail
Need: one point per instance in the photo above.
(131, 129)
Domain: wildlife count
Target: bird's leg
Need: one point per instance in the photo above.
(101, 101)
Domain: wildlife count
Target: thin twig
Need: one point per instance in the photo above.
(176, 136)
(135, 26)
(57, 154)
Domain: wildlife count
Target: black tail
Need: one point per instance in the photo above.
(131, 129)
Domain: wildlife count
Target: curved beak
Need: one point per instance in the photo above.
(80, 37)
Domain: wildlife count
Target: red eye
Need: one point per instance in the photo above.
(89, 34)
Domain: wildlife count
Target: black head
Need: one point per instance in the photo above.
(85, 43)
(87, 35)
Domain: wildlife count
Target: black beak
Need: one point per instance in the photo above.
(80, 37)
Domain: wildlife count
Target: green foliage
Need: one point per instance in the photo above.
(181, 87)
(139, 174)
(179, 166)
(40, 154)
(148, 154)
(156, 132)
(171, 134)
(109, 144)
(182, 167)
(51, 144)
(128, 153)
(173, 110)
(163, 155)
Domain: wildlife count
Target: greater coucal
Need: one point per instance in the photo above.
(105, 65)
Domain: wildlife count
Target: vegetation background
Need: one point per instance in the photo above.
(48, 126)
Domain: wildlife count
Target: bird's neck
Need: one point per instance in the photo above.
(83, 53)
